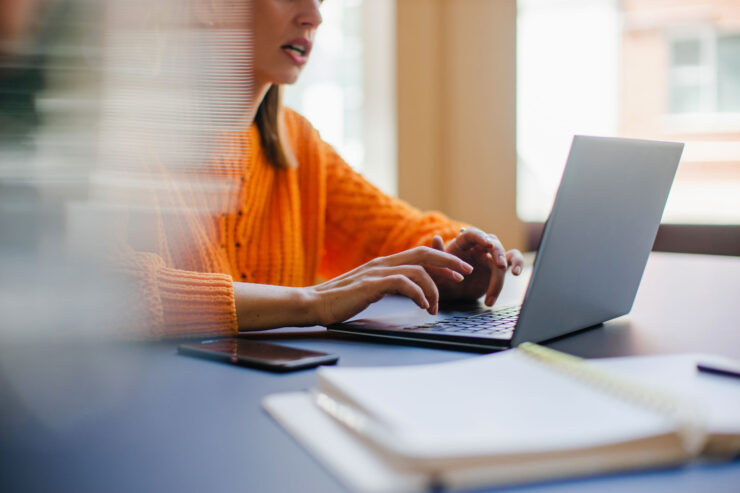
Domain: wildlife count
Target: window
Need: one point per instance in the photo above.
(345, 91)
(329, 91)
(728, 73)
(567, 83)
(692, 74)
(652, 69)
(704, 74)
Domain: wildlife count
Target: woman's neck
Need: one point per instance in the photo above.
(260, 92)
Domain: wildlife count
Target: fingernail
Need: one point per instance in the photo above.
(502, 261)
(467, 267)
(517, 270)
(457, 276)
(488, 300)
(436, 308)
(426, 304)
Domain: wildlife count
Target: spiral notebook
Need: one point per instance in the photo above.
(524, 415)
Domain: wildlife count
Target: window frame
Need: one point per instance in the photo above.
(705, 72)
(707, 239)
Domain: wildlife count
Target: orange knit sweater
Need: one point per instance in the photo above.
(289, 227)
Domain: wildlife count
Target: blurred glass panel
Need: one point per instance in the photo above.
(728, 64)
(685, 98)
(686, 52)
(110, 115)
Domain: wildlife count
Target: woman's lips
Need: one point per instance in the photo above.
(298, 50)
(297, 58)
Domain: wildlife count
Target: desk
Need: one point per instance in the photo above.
(138, 417)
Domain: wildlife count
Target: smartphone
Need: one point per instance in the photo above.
(256, 354)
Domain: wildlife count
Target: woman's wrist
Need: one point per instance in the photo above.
(306, 301)
(314, 303)
(262, 306)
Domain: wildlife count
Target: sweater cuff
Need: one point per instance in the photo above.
(196, 304)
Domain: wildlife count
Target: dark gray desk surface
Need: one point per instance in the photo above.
(138, 417)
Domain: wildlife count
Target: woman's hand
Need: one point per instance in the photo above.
(422, 274)
(489, 259)
(405, 273)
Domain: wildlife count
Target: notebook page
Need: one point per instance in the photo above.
(719, 396)
(498, 404)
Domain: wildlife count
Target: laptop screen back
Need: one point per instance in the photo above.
(599, 235)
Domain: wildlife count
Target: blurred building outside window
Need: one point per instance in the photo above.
(692, 73)
(653, 69)
(704, 72)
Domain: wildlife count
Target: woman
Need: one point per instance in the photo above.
(301, 213)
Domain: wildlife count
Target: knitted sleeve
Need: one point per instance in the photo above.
(165, 303)
(363, 223)
(163, 298)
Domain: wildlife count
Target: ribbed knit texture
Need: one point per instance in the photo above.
(288, 227)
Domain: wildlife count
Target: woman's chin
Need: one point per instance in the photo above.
(291, 78)
(286, 75)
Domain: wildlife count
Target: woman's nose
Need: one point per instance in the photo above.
(309, 15)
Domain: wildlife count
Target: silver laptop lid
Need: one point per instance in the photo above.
(599, 235)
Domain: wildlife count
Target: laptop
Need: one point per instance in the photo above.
(589, 263)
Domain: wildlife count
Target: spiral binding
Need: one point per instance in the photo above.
(687, 416)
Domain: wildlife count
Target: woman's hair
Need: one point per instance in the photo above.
(271, 130)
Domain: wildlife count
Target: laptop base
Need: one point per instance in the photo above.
(395, 337)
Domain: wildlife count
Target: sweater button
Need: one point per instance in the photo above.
(244, 276)
(238, 245)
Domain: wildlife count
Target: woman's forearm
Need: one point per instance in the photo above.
(262, 306)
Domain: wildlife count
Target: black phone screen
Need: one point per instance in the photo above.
(257, 354)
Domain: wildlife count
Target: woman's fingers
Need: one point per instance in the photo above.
(515, 260)
(438, 243)
(400, 284)
(441, 273)
(471, 237)
(420, 277)
(474, 237)
(498, 252)
(412, 273)
(427, 256)
(496, 281)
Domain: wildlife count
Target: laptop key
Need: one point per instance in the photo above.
(487, 322)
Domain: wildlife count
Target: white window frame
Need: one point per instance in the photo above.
(709, 119)
(705, 74)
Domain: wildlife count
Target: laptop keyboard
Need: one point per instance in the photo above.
(499, 323)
